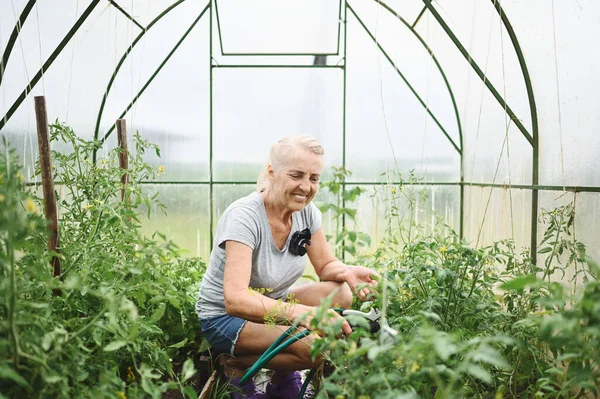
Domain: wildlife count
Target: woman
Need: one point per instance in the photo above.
(253, 266)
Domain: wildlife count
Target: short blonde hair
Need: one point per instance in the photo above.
(280, 152)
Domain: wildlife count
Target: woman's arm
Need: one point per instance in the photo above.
(241, 301)
(330, 268)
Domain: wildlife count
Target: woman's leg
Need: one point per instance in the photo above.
(255, 338)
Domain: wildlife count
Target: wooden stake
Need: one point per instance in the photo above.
(207, 390)
(47, 182)
(123, 155)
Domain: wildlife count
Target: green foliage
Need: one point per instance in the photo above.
(124, 324)
(345, 240)
(470, 322)
(458, 321)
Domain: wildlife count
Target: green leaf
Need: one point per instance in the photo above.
(7, 373)
(568, 356)
(491, 356)
(593, 265)
(374, 351)
(47, 341)
(443, 346)
(431, 315)
(159, 312)
(115, 345)
(188, 370)
(352, 236)
(479, 372)
(204, 346)
(179, 344)
(544, 250)
(52, 378)
(190, 392)
(520, 282)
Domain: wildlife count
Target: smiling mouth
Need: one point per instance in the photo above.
(300, 196)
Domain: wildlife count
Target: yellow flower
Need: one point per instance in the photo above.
(161, 170)
(443, 249)
(394, 191)
(88, 206)
(130, 375)
(30, 205)
(20, 176)
(415, 367)
(1, 197)
(406, 293)
(121, 395)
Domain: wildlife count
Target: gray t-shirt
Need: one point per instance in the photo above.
(246, 221)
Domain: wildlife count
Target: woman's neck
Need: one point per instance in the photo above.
(275, 211)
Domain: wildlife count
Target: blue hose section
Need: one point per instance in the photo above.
(287, 333)
(307, 381)
(276, 347)
(271, 352)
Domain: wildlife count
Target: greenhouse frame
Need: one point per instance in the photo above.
(488, 109)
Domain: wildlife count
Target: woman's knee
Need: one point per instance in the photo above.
(343, 297)
(301, 352)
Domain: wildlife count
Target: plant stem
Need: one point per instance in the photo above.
(33, 358)
(548, 262)
(13, 301)
(84, 328)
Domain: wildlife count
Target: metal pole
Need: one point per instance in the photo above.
(210, 129)
(344, 118)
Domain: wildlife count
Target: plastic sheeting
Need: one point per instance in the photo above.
(151, 62)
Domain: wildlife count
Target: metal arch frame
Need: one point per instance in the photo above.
(450, 92)
(155, 73)
(223, 53)
(13, 36)
(118, 67)
(533, 138)
(48, 62)
(410, 87)
(534, 127)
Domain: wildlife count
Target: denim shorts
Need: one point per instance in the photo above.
(222, 332)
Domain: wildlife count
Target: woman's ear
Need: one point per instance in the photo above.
(270, 173)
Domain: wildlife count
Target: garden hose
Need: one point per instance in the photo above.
(276, 347)
(307, 380)
(281, 343)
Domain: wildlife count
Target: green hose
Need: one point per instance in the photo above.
(277, 347)
(307, 381)
(272, 352)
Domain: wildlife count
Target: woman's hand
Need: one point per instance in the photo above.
(357, 277)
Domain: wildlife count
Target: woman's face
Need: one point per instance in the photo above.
(295, 182)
